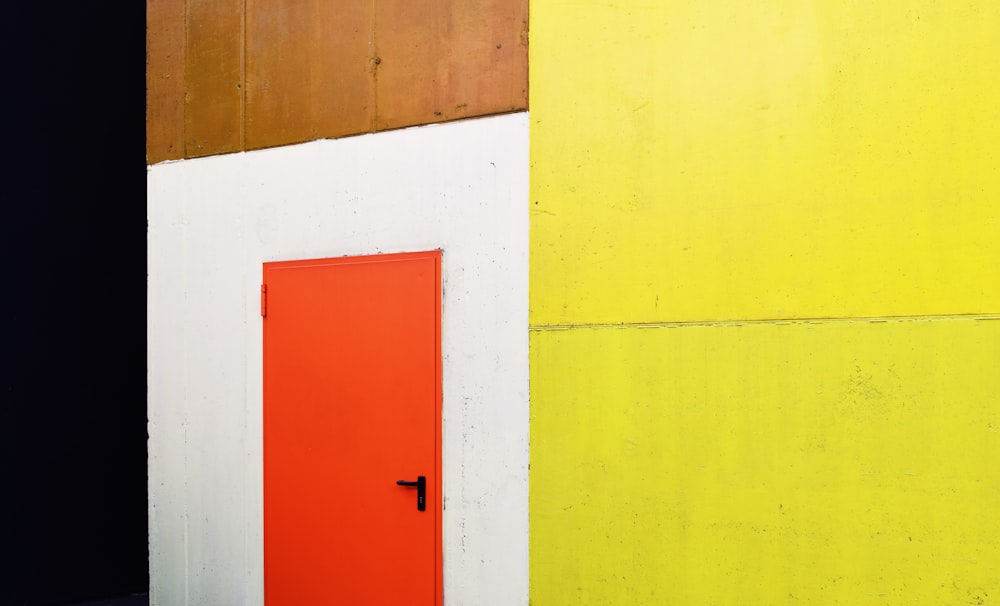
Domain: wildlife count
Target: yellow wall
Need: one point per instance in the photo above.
(836, 462)
(717, 159)
(703, 173)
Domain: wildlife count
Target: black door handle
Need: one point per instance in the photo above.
(421, 485)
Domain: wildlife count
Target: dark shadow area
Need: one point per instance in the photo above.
(130, 600)
(73, 380)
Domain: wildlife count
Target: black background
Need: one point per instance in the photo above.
(73, 380)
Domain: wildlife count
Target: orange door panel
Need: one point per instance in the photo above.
(352, 420)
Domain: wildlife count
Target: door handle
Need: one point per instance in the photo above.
(421, 485)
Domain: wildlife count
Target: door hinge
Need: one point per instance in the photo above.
(263, 300)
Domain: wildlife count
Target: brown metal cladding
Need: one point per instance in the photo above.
(213, 117)
(449, 59)
(164, 80)
(312, 69)
(309, 66)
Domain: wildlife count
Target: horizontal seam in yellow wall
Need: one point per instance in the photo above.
(928, 318)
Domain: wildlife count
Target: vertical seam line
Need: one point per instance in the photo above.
(243, 77)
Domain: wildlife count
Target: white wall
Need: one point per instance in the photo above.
(461, 187)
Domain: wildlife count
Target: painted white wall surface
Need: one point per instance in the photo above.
(461, 187)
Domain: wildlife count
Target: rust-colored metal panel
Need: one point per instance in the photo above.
(164, 80)
(309, 70)
(449, 59)
(213, 117)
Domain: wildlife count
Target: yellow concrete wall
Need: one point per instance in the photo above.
(765, 302)
(832, 463)
(712, 159)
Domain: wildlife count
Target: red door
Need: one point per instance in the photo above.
(352, 407)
